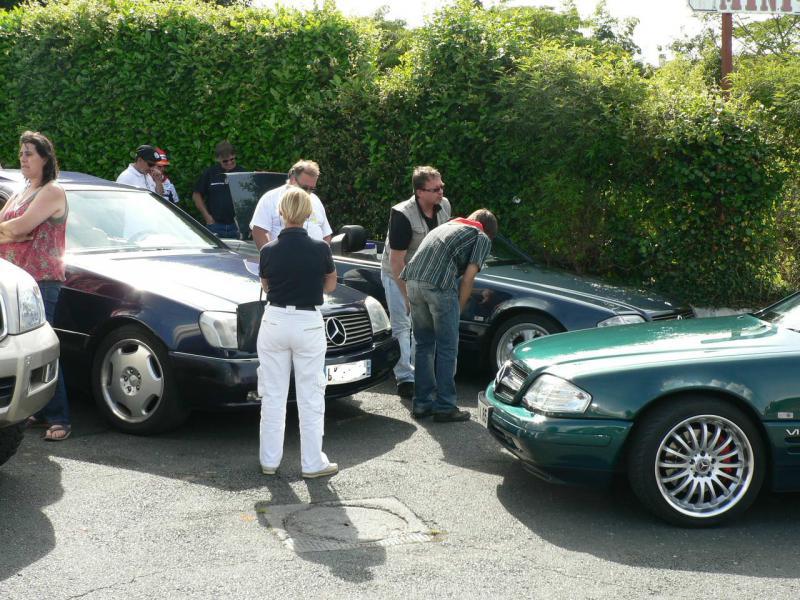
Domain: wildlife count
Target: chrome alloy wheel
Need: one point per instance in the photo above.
(704, 466)
(132, 380)
(515, 335)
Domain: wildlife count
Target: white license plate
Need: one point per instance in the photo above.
(349, 372)
(484, 410)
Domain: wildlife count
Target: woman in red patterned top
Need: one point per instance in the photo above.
(33, 227)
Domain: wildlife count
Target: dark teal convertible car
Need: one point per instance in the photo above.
(698, 413)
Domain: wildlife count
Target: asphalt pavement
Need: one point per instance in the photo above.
(419, 510)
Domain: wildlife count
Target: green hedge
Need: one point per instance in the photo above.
(588, 161)
(103, 77)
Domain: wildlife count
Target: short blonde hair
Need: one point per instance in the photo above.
(295, 206)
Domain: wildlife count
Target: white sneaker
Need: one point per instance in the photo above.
(269, 470)
(331, 469)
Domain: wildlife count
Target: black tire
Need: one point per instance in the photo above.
(133, 383)
(718, 456)
(516, 330)
(10, 439)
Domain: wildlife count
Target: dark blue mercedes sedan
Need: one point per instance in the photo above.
(147, 314)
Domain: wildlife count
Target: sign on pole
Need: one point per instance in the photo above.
(730, 7)
(764, 7)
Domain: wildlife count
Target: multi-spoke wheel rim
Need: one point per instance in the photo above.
(704, 466)
(132, 381)
(514, 336)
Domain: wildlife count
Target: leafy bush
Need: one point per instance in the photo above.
(588, 160)
(715, 183)
(103, 77)
(567, 125)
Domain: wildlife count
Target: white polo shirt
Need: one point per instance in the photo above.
(266, 215)
(131, 176)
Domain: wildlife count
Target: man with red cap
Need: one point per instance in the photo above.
(170, 193)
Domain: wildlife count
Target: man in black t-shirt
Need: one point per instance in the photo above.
(211, 194)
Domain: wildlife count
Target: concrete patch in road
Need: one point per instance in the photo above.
(345, 524)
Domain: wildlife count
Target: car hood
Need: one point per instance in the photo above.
(615, 297)
(207, 280)
(634, 346)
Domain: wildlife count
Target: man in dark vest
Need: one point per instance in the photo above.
(409, 223)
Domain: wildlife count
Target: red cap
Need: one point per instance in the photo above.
(162, 157)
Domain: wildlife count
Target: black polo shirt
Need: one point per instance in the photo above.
(216, 194)
(295, 265)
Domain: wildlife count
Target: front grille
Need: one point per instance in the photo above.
(6, 390)
(348, 331)
(684, 314)
(508, 381)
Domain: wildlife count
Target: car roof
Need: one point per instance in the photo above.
(71, 180)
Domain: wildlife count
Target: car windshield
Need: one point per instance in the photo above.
(785, 313)
(504, 252)
(129, 220)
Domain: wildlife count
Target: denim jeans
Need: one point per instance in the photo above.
(435, 315)
(57, 410)
(224, 230)
(401, 329)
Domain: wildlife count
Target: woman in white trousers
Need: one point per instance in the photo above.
(295, 271)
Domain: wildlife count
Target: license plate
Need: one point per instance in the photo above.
(484, 410)
(349, 372)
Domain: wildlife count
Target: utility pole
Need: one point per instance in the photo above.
(727, 52)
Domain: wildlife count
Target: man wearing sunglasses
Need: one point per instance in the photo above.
(140, 173)
(211, 194)
(409, 222)
(267, 223)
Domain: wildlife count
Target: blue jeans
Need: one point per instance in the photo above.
(57, 410)
(435, 315)
(401, 329)
(224, 230)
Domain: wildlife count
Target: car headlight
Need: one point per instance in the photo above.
(219, 329)
(621, 320)
(552, 394)
(31, 306)
(377, 316)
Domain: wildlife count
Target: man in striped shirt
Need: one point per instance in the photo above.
(456, 249)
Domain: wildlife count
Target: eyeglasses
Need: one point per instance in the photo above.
(225, 161)
(435, 190)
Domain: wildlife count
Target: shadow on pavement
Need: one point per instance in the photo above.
(351, 565)
(27, 485)
(220, 450)
(611, 525)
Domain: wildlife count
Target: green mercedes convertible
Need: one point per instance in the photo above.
(698, 413)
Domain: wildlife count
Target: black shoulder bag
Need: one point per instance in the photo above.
(248, 322)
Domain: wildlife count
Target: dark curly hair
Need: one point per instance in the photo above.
(44, 148)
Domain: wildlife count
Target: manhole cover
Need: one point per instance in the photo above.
(344, 524)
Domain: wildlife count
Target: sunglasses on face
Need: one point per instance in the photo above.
(227, 161)
(435, 190)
